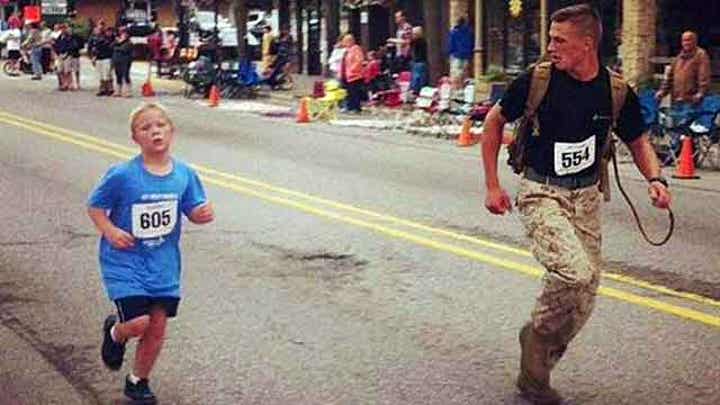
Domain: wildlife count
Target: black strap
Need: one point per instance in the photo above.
(635, 214)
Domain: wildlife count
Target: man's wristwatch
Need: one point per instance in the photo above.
(660, 179)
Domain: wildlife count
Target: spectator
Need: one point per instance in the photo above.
(268, 41)
(335, 59)
(12, 39)
(62, 47)
(688, 77)
(33, 43)
(78, 45)
(352, 73)
(460, 49)
(155, 46)
(419, 61)
(100, 49)
(47, 41)
(14, 21)
(371, 73)
(402, 41)
(121, 61)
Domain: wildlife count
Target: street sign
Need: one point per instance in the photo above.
(54, 7)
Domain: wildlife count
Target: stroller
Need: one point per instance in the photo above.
(199, 76)
(279, 78)
(241, 81)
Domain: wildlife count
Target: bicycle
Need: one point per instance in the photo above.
(16, 67)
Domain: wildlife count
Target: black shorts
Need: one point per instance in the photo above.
(14, 54)
(132, 307)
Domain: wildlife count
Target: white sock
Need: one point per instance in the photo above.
(112, 334)
(133, 379)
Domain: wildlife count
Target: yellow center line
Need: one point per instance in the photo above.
(209, 176)
(349, 208)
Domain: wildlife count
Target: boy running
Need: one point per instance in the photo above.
(136, 207)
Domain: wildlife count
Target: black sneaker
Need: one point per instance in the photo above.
(140, 393)
(112, 352)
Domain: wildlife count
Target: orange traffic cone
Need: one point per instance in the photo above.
(302, 115)
(147, 89)
(686, 167)
(466, 137)
(214, 99)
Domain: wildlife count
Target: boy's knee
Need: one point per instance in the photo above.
(138, 326)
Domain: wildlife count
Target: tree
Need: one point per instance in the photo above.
(240, 13)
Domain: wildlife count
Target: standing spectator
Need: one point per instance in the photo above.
(47, 42)
(14, 21)
(352, 73)
(419, 61)
(268, 41)
(688, 79)
(100, 49)
(460, 49)
(62, 47)
(78, 43)
(33, 43)
(155, 45)
(402, 40)
(335, 59)
(12, 39)
(121, 62)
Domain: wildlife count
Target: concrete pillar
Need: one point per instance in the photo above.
(479, 57)
(638, 36)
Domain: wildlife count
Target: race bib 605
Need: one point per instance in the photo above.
(153, 220)
(574, 157)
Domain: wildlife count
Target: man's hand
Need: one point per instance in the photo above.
(697, 98)
(118, 238)
(202, 214)
(659, 195)
(659, 95)
(497, 201)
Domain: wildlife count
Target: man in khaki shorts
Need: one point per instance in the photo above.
(559, 198)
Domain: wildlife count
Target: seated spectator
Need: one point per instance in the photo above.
(371, 71)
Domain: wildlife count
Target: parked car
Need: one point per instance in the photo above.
(138, 18)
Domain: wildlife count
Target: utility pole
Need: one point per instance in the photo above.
(240, 13)
(433, 36)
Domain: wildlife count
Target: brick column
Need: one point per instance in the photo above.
(638, 38)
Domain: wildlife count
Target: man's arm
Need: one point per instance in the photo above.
(703, 76)
(647, 162)
(497, 200)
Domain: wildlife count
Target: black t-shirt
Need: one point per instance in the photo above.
(419, 50)
(570, 114)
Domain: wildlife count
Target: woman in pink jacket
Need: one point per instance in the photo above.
(352, 72)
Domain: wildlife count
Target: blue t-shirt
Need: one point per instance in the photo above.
(148, 207)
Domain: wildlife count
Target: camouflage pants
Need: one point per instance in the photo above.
(565, 229)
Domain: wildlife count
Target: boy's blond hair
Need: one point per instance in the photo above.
(145, 107)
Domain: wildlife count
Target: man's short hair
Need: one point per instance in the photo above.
(584, 17)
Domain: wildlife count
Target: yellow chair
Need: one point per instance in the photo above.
(325, 108)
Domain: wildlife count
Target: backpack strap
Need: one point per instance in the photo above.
(618, 92)
(539, 83)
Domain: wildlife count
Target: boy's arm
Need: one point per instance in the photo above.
(202, 214)
(116, 236)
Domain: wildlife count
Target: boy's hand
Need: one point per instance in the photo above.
(119, 239)
(203, 214)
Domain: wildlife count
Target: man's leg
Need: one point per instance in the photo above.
(565, 303)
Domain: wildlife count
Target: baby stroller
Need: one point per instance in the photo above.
(199, 76)
(238, 82)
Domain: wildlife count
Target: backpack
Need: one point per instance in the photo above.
(529, 125)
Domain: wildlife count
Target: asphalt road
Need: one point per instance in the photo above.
(345, 267)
